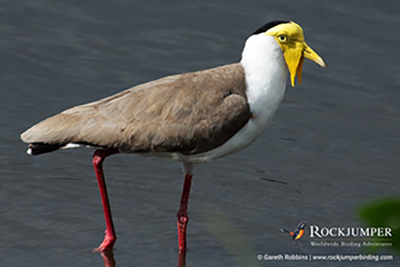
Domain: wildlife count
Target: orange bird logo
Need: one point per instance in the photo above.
(297, 234)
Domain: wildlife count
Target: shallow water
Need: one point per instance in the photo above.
(333, 144)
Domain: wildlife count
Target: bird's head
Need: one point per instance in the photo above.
(289, 36)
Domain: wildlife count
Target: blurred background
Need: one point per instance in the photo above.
(332, 146)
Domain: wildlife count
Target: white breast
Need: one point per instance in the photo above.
(266, 75)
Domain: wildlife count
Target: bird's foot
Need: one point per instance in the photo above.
(107, 244)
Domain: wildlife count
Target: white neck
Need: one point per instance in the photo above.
(266, 74)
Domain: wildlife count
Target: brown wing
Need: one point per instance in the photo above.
(188, 113)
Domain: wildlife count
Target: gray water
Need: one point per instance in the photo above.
(333, 144)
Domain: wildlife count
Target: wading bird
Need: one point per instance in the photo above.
(191, 118)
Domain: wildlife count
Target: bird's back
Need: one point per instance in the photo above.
(190, 113)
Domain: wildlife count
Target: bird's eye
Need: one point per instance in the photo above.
(282, 38)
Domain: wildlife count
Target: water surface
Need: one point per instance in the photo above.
(333, 144)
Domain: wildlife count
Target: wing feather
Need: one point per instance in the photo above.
(188, 113)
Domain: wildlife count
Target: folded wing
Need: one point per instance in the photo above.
(188, 113)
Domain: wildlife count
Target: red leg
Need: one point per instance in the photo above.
(110, 238)
(183, 218)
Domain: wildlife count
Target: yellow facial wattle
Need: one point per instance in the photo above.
(291, 40)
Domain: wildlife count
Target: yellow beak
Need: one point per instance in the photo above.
(294, 57)
(310, 54)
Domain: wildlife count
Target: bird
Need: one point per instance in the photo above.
(191, 118)
(297, 234)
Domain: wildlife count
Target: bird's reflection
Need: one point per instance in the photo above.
(109, 261)
(108, 258)
(182, 259)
